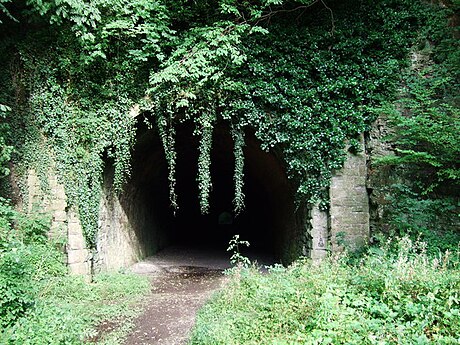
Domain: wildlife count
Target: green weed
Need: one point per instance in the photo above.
(397, 294)
(68, 310)
(41, 304)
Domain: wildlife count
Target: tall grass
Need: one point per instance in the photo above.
(68, 310)
(396, 294)
(41, 304)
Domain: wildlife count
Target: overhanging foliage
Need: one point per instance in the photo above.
(306, 76)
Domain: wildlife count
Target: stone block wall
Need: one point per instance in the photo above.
(65, 225)
(78, 255)
(118, 244)
(349, 202)
(319, 234)
(347, 218)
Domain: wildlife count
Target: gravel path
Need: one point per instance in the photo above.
(182, 280)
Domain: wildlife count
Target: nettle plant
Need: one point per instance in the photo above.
(306, 76)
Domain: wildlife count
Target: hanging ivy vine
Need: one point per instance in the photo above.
(167, 135)
(204, 162)
(78, 138)
(238, 176)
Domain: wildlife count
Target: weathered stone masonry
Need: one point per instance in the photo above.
(120, 246)
(65, 226)
(348, 216)
(349, 208)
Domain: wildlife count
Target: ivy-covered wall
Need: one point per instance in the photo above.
(307, 77)
(137, 223)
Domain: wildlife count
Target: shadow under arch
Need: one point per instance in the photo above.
(269, 221)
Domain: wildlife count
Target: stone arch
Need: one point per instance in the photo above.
(140, 222)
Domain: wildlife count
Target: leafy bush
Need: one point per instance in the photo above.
(16, 288)
(396, 295)
(434, 221)
(26, 258)
(23, 265)
(39, 302)
(16, 291)
(427, 117)
(5, 149)
(46, 324)
(423, 132)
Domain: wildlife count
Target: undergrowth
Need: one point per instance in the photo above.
(396, 294)
(41, 304)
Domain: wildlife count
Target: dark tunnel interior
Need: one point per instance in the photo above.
(268, 221)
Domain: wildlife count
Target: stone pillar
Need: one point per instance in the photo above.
(65, 225)
(349, 203)
(58, 207)
(78, 255)
(52, 201)
(35, 194)
(319, 233)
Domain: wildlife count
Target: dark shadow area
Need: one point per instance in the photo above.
(268, 221)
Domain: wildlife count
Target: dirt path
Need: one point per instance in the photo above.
(182, 281)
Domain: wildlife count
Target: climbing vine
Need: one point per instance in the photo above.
(238, 176)
(78, 138)
(5, 150)
(307, 77)
(168, 138)
(426, 116)
(204, 163)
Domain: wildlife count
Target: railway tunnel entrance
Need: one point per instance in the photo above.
(269, 221)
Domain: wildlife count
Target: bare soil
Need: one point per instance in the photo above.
(182, 280)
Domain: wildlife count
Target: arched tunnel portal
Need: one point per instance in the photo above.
(269, 220)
